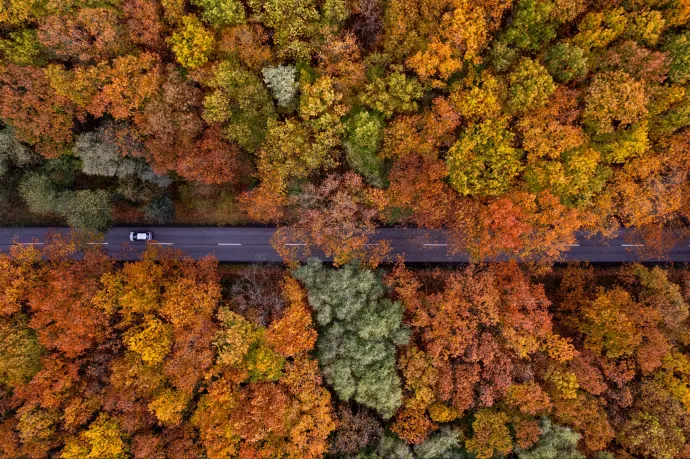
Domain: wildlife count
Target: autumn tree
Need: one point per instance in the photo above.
(294, 22)
(484, 161)
(103, 439)
(458, 364)
(214, 160)
(144, 23)
(91, 34)
(614, 99)
(529, 86)
(171, 121)
(554, 442)
(356, 431)
(38, 114)
(491, 435)
(339, 218)
(192, 43)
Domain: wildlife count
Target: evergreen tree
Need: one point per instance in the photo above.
(556, 442)
(360, 329)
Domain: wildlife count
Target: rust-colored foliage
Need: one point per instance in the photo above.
(39, 116)
(214, 160)
(338, 218)
(92, 34)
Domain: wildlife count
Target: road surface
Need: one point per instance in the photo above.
(253, 244)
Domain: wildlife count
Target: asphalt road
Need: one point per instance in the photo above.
(253, 244)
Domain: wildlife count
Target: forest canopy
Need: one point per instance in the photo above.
(553, 115)
(169, 357)
(514, 124)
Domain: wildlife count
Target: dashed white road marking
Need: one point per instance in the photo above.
(228, 243)
(572, 245)
(31, 243)
(295, 244)
(162, 243)
(435, 245)
(632, 245)
(97, 243)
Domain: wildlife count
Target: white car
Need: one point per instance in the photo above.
(140, 236)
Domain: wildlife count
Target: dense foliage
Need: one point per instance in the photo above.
(513, 122)
(171, 357)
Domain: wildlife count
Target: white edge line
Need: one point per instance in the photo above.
(227, 243)
(162, 243)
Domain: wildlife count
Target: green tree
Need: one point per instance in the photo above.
(441, 445)
(646, 26)
(392, 94)
(529, 86)
(678, 48)
(576, 177)
(364, 138)
(16, 12)
(220, 13)
(61, 171)
(619, 147)
(532, 25)
(501, 56)
(335, 11)
(647, 435)
(13, 152)
(161, 211)
(444, 444)
(88, 209)
(556, 442)
(21, 47)
(20, 352)
(390, 446)
(484, 161)
(566, 62)
(99, 157)
(360, 329)
(289, 153)
(39, 194)
(239, 101)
